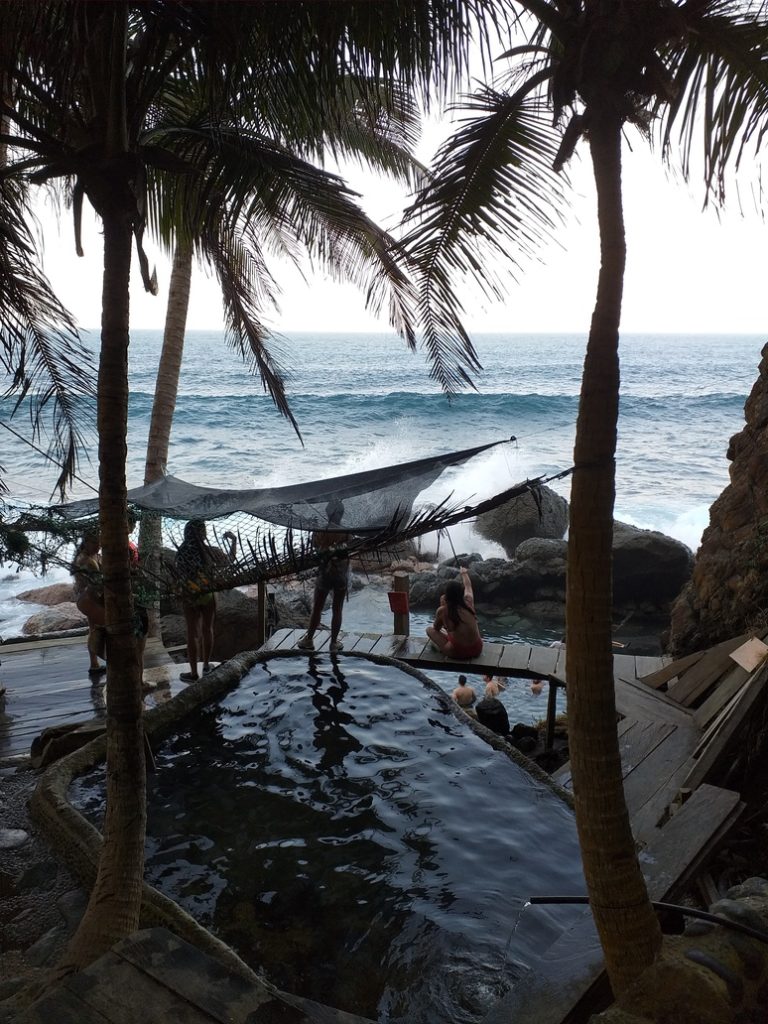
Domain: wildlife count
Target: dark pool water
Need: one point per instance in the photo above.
(347, 835)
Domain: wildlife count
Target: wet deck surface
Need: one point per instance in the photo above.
(47, 684)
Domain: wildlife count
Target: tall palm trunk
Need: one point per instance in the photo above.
(114, 905)
(163, 407)
(628, 928)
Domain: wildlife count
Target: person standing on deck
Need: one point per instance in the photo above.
(332, 578)
(88, 592)
(193, 562)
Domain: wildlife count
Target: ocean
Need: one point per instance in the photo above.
(363, 401)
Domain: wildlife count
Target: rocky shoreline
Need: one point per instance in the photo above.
(649, 571)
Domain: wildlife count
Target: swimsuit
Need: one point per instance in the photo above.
(333, 575)
(471, 650)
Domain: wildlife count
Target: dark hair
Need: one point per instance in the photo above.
(454, 598)
(194, 529)
(92, 533)
(462, 680)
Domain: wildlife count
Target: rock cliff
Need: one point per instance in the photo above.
(728, 590)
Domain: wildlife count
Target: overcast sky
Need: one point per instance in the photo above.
(687, 269)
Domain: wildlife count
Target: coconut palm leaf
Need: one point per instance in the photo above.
(492, 186)
(718, 89)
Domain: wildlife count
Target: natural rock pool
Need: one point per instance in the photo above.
(339, 826)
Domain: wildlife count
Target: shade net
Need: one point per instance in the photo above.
(256, 535)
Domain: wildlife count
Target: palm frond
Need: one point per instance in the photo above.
(718, 68)
(492, 186)
(40, 350)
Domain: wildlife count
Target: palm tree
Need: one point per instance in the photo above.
(597, 66)
(347, 124)
(91, 109)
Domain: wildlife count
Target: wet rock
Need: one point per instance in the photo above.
(493, 715)
(522, 518)
(45, 949)
(12, 837)
(648, 566)
(55, 593)
(54, 620)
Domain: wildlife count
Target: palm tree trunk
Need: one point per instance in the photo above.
(115, 901)
(628, 928)
(163, 407)
(167, 386)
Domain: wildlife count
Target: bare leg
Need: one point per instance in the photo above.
(438, 638)
(336, 613)
(318, 603)
(207, 620)
(192, 618)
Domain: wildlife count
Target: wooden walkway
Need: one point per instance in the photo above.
(154, 976)
(528, 661)
(47, 684)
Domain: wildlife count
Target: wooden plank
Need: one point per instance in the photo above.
(364, 643)
(696, 680)
(624, 667)
(635, 700)
(389, 645)
(412, 648)
(645, 665)
(729, 685)
(652, 786)
(279, 640)
(124, 995)
(671, 670)
(689, 836)
(636, 743)
(490, 658)
(543, 660)
(9, 648)
(514, 658)
(742, 704)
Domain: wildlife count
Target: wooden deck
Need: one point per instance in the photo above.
(47, 684)
(154, 976)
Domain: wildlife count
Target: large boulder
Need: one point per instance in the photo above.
(648, 566)
(55, 593)
(649, 570)
(521, 518)
(54, 620)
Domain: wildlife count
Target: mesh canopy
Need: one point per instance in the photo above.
(361, 503)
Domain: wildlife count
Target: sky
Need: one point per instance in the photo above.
(688, 269)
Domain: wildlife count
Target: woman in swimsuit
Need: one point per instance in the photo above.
(193, 563)
(89, 597)
(455, 631)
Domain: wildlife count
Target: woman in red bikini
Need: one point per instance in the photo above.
(455, 632)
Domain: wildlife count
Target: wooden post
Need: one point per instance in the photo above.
(261, 613)
(401, 583)
(551, 714)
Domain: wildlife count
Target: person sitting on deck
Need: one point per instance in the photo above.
(455, 631)
(465, 695)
